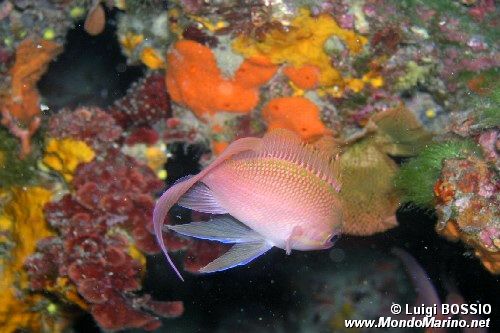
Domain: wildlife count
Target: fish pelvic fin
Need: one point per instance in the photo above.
(173, 194)
(296, 232)
(224, 229)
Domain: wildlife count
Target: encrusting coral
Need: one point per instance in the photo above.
(100, 225)
(145, 103)
(100, 230)
(468, 207)
(103, 225)
(91, 125)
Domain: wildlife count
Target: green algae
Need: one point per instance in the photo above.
(416, 178)
(13, 170)
(415, 74)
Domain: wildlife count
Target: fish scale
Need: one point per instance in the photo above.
(294, 196)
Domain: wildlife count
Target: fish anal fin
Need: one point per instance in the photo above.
(239, 254)
(200, 198)
(224, 229)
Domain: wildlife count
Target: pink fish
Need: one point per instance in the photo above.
(273, 191)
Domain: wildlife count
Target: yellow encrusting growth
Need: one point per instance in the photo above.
(303, 45)
(130, 41)
(208, 24)
(156, 158)
(22, 225)
(64, 155)
(151, 58)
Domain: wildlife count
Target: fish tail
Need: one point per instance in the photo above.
(163, 205)
(173, 194)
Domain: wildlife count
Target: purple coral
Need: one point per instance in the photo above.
(107, 214)
(102, 221)
(92, 125)
(145, 103)
(93, 250)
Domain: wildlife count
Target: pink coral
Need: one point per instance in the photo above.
(490, 144)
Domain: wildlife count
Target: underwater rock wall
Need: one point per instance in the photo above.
(385, 80)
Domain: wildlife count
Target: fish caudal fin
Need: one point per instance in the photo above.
(173, 194)
(224, 229)
(200, 198)
(239, 254)
(163, 205)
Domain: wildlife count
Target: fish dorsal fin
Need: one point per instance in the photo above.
(286, 145)
(182, 179)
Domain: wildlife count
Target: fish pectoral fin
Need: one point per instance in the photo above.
(296, 233)
(200, 198)
(224, 229)
(239, 254)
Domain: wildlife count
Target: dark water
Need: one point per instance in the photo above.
(90, 71)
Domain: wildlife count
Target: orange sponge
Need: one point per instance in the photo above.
(305, 77)
(194, 80)
(295, 113)
(255, 71)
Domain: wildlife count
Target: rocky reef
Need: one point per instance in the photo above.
(407, 91)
